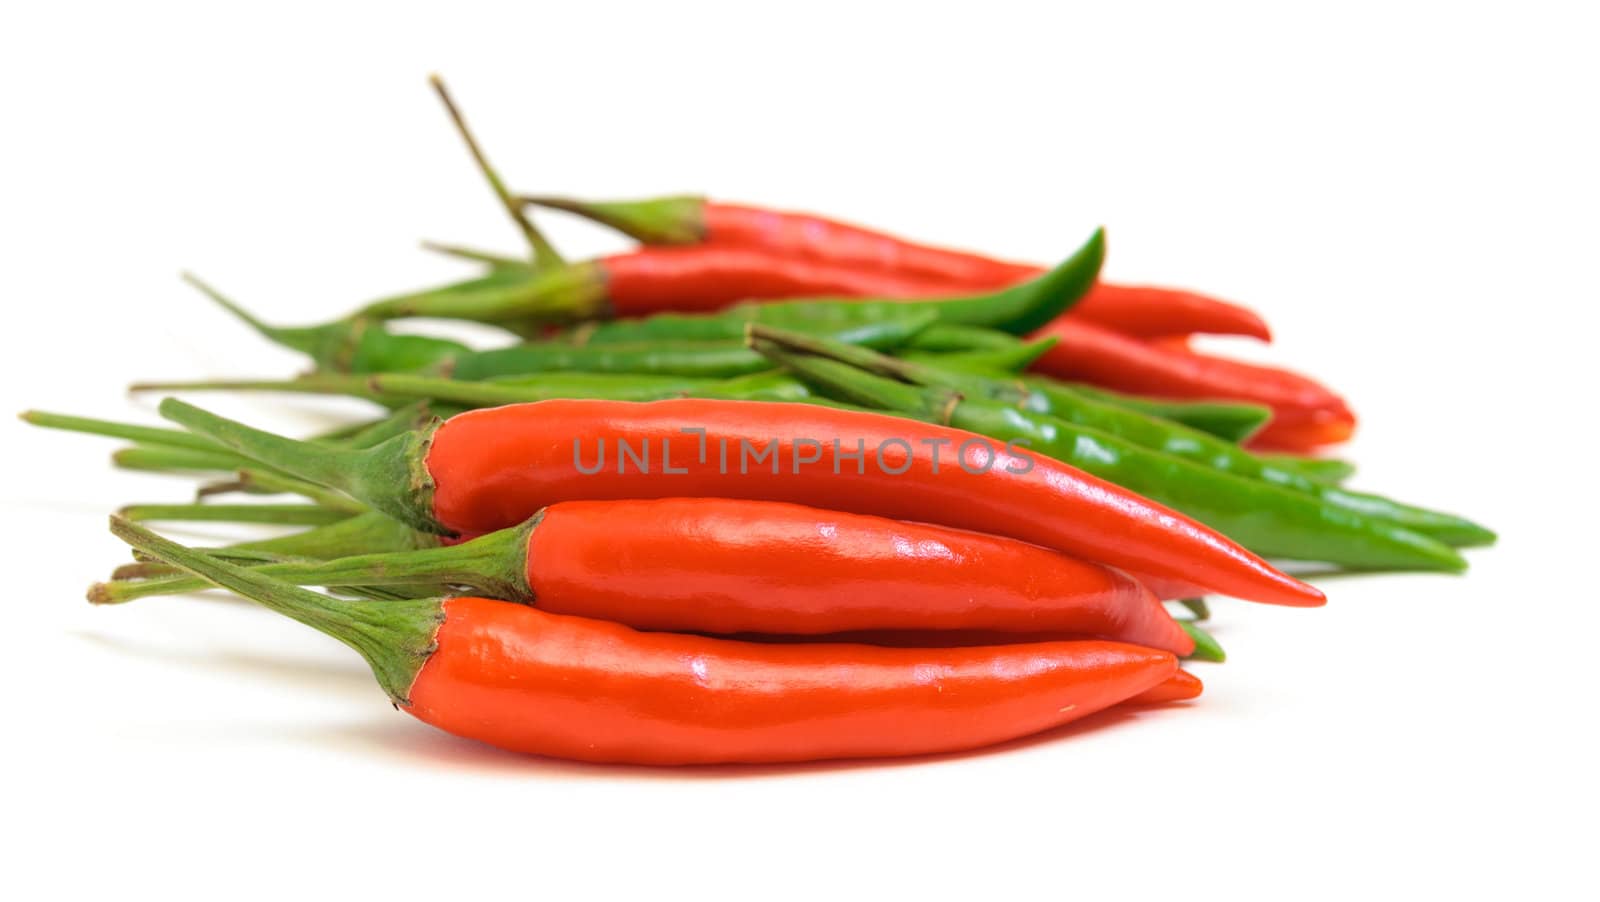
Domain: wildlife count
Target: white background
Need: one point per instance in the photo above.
(1408, 193)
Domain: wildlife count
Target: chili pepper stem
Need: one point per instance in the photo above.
(395, 637)
(264, 482)
(287, 514)
(317, 342)
(310, 384)
(391, 476)
(663, 220)
(544, 254)
(168, 460)
(147, 435)
(930, 404)
(494, 565)
(497, 261)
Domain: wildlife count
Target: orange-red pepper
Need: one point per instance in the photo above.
(821, 247)
(1305, 414)
(706, 278)
(491, 469)
(571, 687)
(521, 679)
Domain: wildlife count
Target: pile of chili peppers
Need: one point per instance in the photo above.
(771, 487)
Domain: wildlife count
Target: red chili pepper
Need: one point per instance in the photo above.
(718, 565)
(1179, 687)
(708, 277)
(908, 269)
(532, 682)
(493, 468)
(1148, 312)
(521, 679)
(1304, 412)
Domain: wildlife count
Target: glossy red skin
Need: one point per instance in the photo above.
(1130, 309)
(569, 687)
(715, 565)
(1179, 687)
(494, 468)
(1146, 311)
(804, 236)
(1088, 353)
(702, 278)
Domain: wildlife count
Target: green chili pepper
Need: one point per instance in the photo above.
(956, 338)
(1323, 469)
(1269, 519)
(1206, 646)
(1233, 421)
(1143, 431)
(702, 358)
(991, 361)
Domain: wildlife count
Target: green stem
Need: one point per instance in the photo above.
(395, 637)
(264, 482)
(494, 565)
(146, 435)
(497, 261)
(1197, 607)
(507, 298)
(367, 533)
(391, 476)
(167, 460)
(156, 570)
(311, 384)
(415, 415)
(677, 219)
(1206, 646)
(857, 386)
(284, 514)
(544, 254)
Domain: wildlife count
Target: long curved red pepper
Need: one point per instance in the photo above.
(907, 269)
(524, 680)
(716, 565)
(494, 468)
(590, 690)
(1305, 414)
(709, 277)
(1179, 687)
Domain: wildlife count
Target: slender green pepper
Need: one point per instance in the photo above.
(1206, 646)
(1229, 420)
(1323, 469)
(1141, 430)
(1269, 519)
(704, 359)
(957, 338)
